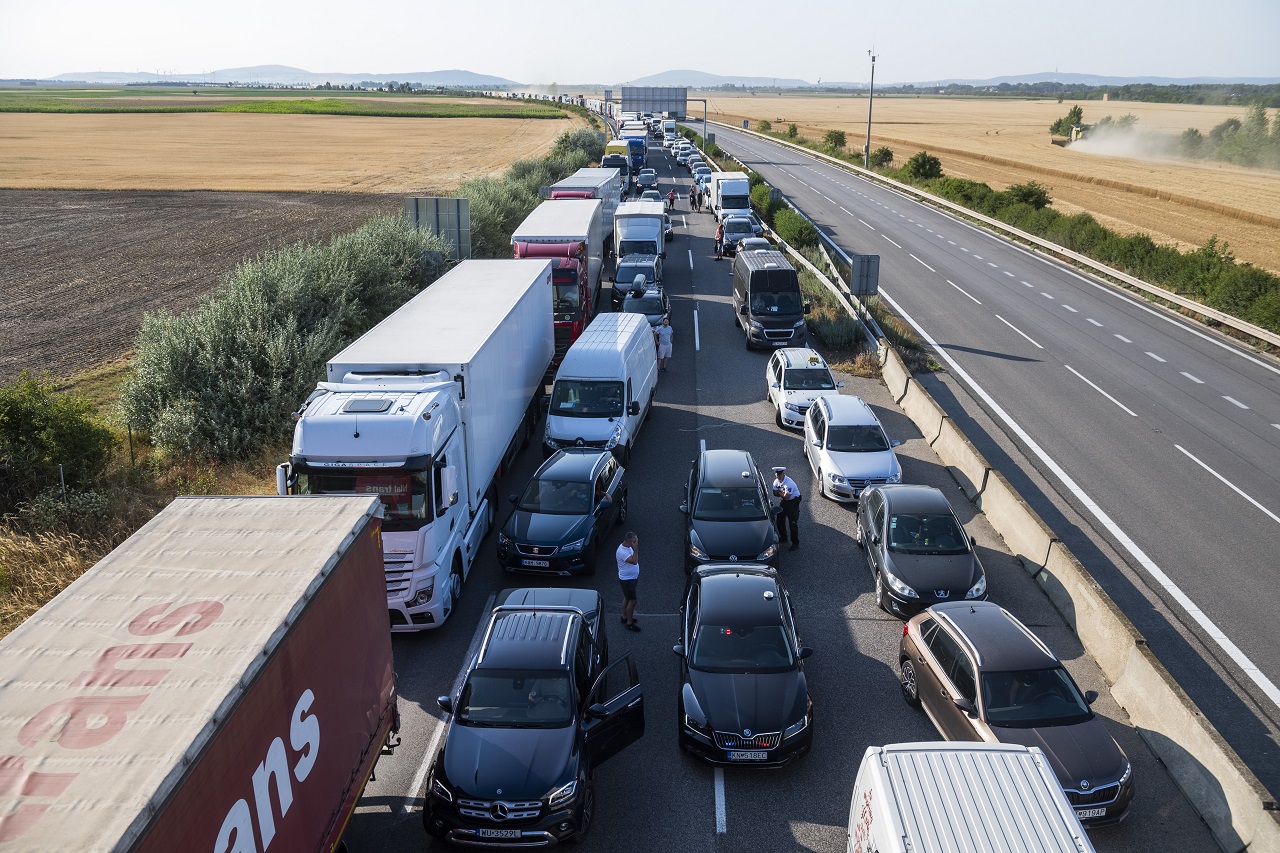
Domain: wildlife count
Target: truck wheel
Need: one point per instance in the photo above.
(454, 590)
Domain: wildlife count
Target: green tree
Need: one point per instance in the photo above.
(1191, 142)
(923, 166)
(1062, 127)
(792, 131)
(1029, 193)
(835, 140)
(764, 125)
(1127, 121)
(880, 158)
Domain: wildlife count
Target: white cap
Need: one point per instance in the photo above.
(778, 469)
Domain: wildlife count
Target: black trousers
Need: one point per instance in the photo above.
(790, 512)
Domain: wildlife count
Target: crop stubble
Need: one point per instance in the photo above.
(1003, 142)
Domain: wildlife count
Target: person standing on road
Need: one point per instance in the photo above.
(628, 576)
(693, 197)
(720, 241)
(671, 200)
(663, 336)
(786, 488)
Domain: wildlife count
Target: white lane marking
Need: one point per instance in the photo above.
(1192, 378)
(850, 213)
(952, 242)
(805, 185)
(963, 249)
(697, 341)
(1069, 308)
(868, 224)
(684, 223)
(930, 230)
(721, 821)
(1229, 484)
(1234, 401)
(1277, 426)
(1006, 272)
(1019, 331)
(923, 264)
(1046, 295)
(824, 195)
(1094, 322)
(979, 258)
(1123, 338)
(1027, 283)
(1250, 669)
(882, 235)
(962, 290)
(1156, 357)
(691, 259)
(1100, 391)
(993, 266)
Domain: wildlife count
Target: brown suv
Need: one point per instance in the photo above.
(981, 675)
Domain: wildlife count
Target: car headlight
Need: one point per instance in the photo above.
(563, 795)
(898, 586)
(572, 547)
(438, 789)
(896, 476)
(801, 724)
(792, 407)
(612, 442)
(547, 439)
(1124, 777)
(757, 326)
(424, 595)
(768, 552)
(836, 479)
(503, 541)
(799, 323)
(697, 553)
(978, 589)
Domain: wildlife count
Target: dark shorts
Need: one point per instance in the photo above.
(628, 588)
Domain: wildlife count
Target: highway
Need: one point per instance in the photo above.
(1150, 444)
(653, 797)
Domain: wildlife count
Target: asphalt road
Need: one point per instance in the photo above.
(653, 797)
(1149, 443)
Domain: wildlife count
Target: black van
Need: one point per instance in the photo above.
(767, 301)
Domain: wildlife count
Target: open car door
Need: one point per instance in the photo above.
(614, 711)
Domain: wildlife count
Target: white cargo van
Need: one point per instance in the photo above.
(604, 387)
(961, 798)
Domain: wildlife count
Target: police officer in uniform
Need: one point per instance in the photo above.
(786, 488)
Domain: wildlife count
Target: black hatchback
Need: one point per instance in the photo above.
(744, 698)
(729, 511)
(564, 513)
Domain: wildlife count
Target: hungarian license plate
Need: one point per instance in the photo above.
(748, 756)
(1084, 813)
(542, 564)
(498, 833)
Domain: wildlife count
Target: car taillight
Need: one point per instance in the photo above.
(906, 628)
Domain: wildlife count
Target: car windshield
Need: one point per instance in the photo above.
(808, 379)
(741, 648)
(736, 503)
(516, 699)
(1032, 697)
(868, 438)
(738, 227)
(626, 275)
(779, 302)
(647, 304)
(576, 398)
(556, 497)
(926, 533)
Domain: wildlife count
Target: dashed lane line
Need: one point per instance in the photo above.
(1131, 412)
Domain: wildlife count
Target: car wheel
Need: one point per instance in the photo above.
(880, 592)
(622, 509)
(624, 459)
(859, 534)
(907, 681)
(586, 816)
(777, 419)
(589, 559)
(822, 484)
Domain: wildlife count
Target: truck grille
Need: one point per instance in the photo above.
(778, 334)
(399, 576)
(733, 740)
(1096, 797)
(499, 811)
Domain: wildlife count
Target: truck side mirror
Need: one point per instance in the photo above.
(805, 652)
(634, 408)
(807, 308)
(285, 478)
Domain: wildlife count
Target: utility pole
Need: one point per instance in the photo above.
(866, 149)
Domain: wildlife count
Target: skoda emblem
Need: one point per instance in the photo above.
(746, 732)
(1084, 784)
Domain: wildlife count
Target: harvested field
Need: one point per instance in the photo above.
(1003, 142)
(263, 153)
(81, 268)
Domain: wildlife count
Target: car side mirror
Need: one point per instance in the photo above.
(742, 309)
(805, 652)
(973, 543)
(597, 711)
(896, 443)
(445, 703)
(678, 648)
(817, 442)
(808, 308)
(965, 705)
(839, 384)
(777, 385)
(1090, 696)
(634, 408)
(514, 499)
(684, 508)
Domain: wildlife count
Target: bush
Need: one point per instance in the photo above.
(794, 228)
(835, 140)
(764, 205)
(923, 166)
(792, 131)
(880, 158)
(1029, 193)
(41, 428)
(764, 125)
(1062, 127)
(221, 380)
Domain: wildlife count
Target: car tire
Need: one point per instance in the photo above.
(777, 418)
(822, 485)
(586, 816)
(908, 683)
(880, 593)
(859, 533)
(621, 517)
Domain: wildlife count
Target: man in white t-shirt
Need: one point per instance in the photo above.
(628, 576)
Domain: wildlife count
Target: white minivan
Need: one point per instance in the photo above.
(604, 388)
(962, 798)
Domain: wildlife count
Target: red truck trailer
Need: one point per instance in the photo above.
(220, 682)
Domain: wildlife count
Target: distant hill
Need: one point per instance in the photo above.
(705, 80)
(284, 75)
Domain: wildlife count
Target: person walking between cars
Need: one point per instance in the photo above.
(693, 197)
(720, 241)
(628, 576)
(671, 200)
(786, 488)
(662, 334)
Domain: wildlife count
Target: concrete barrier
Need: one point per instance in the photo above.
(966, 464)
(1029, 539)
(921, 408)
(895, 374)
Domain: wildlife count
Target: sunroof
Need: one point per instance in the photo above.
(366, 404)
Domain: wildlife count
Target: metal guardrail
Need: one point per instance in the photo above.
(1168, 296)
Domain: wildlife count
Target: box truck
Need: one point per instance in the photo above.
(221, 681)
(604, 184)
(962, 798)
(569, 232)
(639, 229)
(730, 194)
(426, 410)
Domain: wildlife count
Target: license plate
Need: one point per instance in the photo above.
(780, 343)
(1083, 813)
(543, 564)
(498, 833)
(748, 756)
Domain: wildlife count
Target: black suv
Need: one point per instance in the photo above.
(744, 698)
(539, 709)
(563, 514)
(729, 511)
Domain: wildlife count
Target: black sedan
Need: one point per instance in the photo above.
(564, 513)
(918, 552)
(729, 512)
(743, 696)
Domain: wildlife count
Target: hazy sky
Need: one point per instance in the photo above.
(572, 41)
